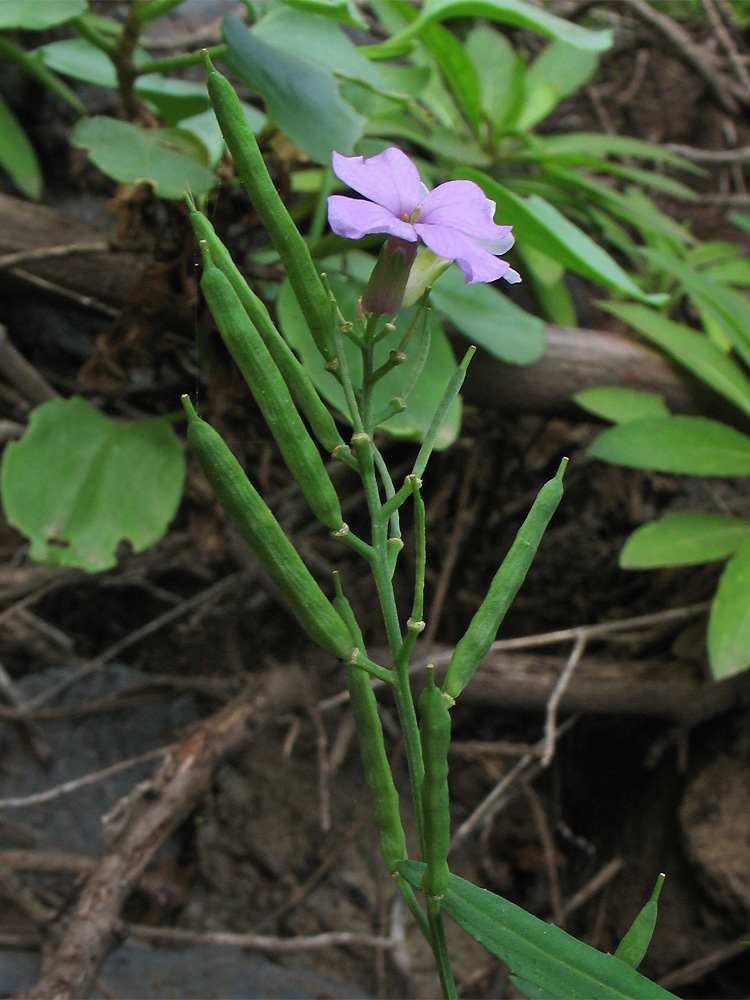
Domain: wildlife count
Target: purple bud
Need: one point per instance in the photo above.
(385, 289)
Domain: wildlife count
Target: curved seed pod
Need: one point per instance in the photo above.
(435, 735)
(271, 210)
(480, 635)
(293, 372)
(272, 396)
(258, 526)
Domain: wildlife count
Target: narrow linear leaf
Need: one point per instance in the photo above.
(686, 538)
(691, 349)
(550, 959)
(634, 944)
(619, 403)
(17, 155)
(729, 620)
(694, 446)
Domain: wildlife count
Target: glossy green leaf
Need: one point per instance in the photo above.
(292, 60)
(558, 71)
(515, 12)
(537, 222)
(78, 58)
(172, 160)
(729, 620)
(35, 15)
(79, 483)
(551, 960)
(634, 944)
(489, 319)
(440, 365)
(686, 538)
(17, 155)
(694, 446)
(345, 11)
(691, 349)
(619, 403)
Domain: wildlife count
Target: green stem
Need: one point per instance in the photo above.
(413, 903)
(440, 949)
(11, 52)
(183, 61)
(85, 30)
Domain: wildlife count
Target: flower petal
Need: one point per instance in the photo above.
(389, 179)
(353, 218)
(464, 206)
(476, 263)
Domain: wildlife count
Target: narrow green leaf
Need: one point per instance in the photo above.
(558, 71)
(172, 160)
(686, 538)
(691, 349)
(78, 483)
(548, 958)
(578, 147)
(694, 446)
(729, 621)
(494, 59)
(634, 945)
(619, 403)
(540, 224)
(458, 70)
(17, 155)
(345, 11)
(489, 319)
(35, 15)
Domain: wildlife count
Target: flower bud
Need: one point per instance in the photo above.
(385, 289)
(426, 270)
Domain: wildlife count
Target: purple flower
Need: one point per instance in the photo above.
(455, 220)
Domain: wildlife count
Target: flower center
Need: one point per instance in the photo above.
(413, 217)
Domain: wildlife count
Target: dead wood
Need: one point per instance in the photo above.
(144, 819)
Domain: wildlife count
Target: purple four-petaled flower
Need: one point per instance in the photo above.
(455, 220)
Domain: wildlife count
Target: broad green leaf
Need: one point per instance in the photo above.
(421, 405)
(634, 945)
(515, 12)
(17, 155)
(489, 319)
(172, 160)
(537, 222)
(558, 71)
(173, 99)
(549, 958)
(686, 538)
(79, 483)
(730, 272)
(35, 15)
(206, 129)
(297, 61)
(729, 620)
(691, 349)
(345, 11)
(619, 403)
(693, 446)
(78, 58)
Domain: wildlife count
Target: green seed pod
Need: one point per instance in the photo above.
(480, 635)
(257, 525)
(272, 396)
(271, 210)
(294, 374)
(435, 735)
(377, 770)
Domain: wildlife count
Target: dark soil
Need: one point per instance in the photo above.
(283, 845)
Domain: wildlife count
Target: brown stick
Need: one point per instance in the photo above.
(94, 927)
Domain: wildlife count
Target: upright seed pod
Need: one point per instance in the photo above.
(435, 736)
(260, 529)
(271, 210)
(293, 372)
(272, 396)
(480, 635)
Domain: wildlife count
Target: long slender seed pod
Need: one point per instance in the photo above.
(383, 794)
(435, 735)
(480, 635)
(272, 396)
(271, 210)
(293, 372)
(258, 526)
